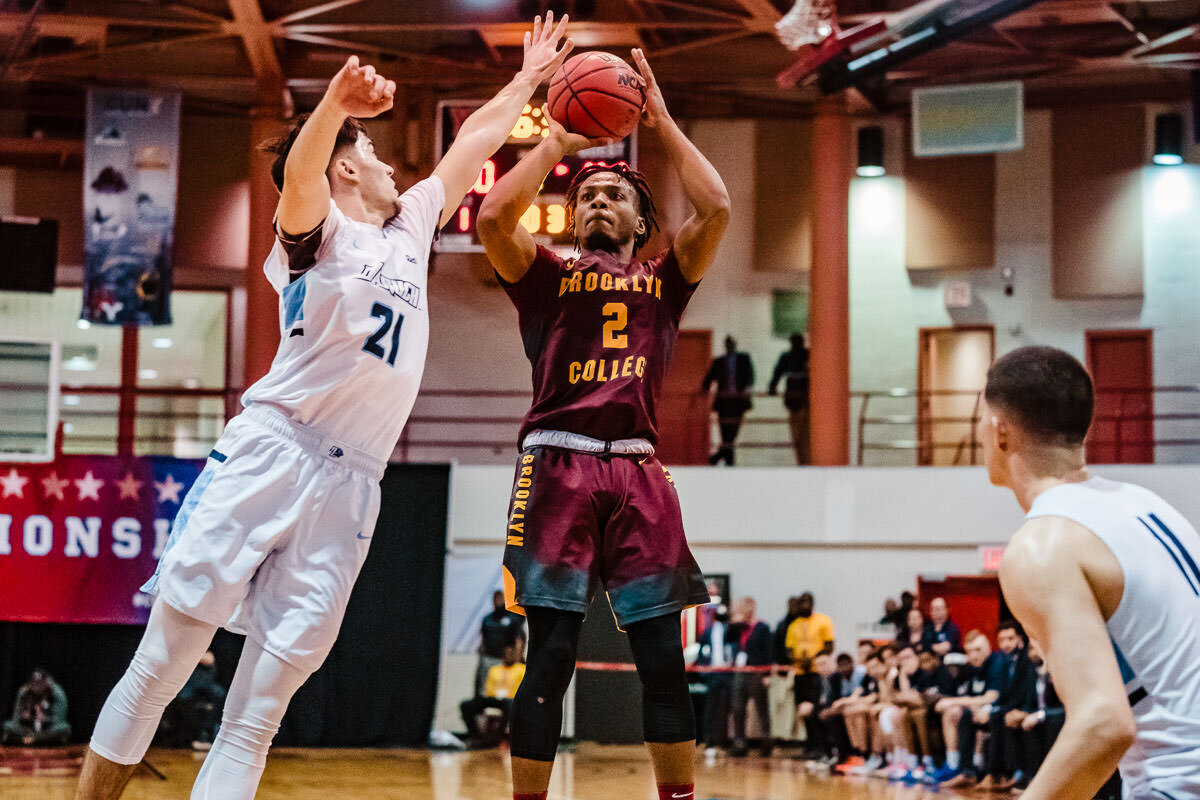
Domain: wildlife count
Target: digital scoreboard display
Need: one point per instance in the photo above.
(546, 219)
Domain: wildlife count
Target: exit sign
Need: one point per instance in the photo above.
(990, 556)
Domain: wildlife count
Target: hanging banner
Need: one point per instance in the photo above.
(79, 536)
(130, 174)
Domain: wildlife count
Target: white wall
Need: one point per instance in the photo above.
(888, 304)
(852, 536)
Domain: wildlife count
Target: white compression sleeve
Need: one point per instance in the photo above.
(261, 690)
(170, 649)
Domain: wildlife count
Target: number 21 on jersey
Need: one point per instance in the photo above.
(373, 344)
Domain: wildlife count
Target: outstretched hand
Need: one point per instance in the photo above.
(656, 106)
(542, 54)
(358, 91)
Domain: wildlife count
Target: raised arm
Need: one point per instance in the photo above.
(696, 242)
(509, 246)
(355, 91)
(484, 131)
(1043, 579)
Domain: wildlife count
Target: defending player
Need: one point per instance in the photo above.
(1105, 576)
(271, 537)
(591, 504)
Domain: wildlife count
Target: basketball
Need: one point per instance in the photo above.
(597, 95)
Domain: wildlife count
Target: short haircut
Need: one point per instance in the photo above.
(1011, 625)
(635, 179)
(347, 136)
(1046, 391)
(886, 647)
(876, 656)
(974, 634)
(845, 658)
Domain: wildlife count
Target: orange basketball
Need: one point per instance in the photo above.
(597, 95)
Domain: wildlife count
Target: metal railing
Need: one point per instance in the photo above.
(890, 426)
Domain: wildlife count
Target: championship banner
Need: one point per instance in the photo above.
(131, 170)
(79, 536)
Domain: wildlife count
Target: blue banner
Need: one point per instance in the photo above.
(131, 170)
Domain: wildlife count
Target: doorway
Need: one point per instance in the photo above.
(1122, 368)
(952, 365)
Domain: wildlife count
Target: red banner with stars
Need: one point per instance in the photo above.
(80, 536)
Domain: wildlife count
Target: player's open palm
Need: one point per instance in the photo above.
(656, 106)
(359, 91)
(542, 53)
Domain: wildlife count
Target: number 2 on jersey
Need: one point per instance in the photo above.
(617, 315)
(372, 345)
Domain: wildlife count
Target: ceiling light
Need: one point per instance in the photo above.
(162, 343)
(82, 324)
(148, 374)
(70, 399)
(79, 364)
(1168, 140)
(870, 152)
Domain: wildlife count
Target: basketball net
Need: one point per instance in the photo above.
(809, 22)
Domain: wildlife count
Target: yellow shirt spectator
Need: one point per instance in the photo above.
(502, 681)
(807, 635)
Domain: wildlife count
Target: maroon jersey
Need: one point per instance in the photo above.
(599, 334)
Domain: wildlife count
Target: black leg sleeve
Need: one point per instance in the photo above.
(667, 714)
(537, 709)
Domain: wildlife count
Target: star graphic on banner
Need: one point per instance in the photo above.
(89, 486)
(13, 483)
(168, 490)
(130, 486)
(54, 486)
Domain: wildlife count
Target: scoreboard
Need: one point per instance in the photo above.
(546, 219)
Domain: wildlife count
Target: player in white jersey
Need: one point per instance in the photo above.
(1106, 577)
(271, 536)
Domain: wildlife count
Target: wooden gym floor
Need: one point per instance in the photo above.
(593, 772)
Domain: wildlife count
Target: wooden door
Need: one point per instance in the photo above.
(1122, 367)
(952, 365)
(683, 425)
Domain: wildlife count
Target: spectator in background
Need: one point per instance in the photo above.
(915, 633)
(865, 648)
(978, 685)
(779, 638)
(843, 684)
(1018, 674)
(808, 634)
(194, 715)
(732, 374)
(501, 685)
(752, 638)
(779, 688)
(792, 368)
(896, 614)
(1035, 722)
(944, 634)
(717, 649)
(820, 694)
(497, 631)
(997, 675)
(40, 713)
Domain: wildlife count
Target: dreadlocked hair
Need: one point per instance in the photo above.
(347, 136)
(640, 185)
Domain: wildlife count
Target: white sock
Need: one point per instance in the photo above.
(952, 759)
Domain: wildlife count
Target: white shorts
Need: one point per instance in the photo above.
(270, 539)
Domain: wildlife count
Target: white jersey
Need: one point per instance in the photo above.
(1155, 630)
(355, 325)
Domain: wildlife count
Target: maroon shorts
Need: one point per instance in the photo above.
(577, 521)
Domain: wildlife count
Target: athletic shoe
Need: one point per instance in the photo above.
(942, 775)
(915, 776)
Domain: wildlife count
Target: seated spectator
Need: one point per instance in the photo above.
(913, 755)
(40, 713)
(752, 648)
(1035, 722)
(944, 636)
(916, 633)
(861, 715)
(498, 691)
(977, 685)
(497, 630)
(820, 694)
(194, 715)
(1008, 672)
(843, 683)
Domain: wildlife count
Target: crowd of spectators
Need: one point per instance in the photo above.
(930, 706)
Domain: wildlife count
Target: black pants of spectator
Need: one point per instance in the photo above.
(817, 734)
(716, 708)
(749, 687)
(1031, 747)
(729, 421)
(996, 757)
(472, 708)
